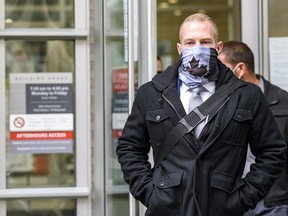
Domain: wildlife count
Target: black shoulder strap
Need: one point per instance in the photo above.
(190, 121)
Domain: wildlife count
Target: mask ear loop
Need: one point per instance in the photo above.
(234, 70)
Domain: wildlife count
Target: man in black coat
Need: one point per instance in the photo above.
(239, 57)
(201, 174)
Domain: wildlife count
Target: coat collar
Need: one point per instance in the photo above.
(270, 92)
(165, 79)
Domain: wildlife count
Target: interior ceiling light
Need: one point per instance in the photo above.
(202, 11)
(177, 12)
(173, 1)
(164, 5)
(8, 20)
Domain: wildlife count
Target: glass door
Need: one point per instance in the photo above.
(171, 13)
(125, 23)
(121, 71)
(43, 169)
(275, 42)
(131, 47)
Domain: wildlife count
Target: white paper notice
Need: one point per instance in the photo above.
(41, 113)
(278, 58)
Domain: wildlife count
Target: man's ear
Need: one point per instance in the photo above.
(219, 46)
(242, 66)
(179, 48)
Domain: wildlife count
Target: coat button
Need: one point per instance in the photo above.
(158, 117)
(240, 117)
(161, 184)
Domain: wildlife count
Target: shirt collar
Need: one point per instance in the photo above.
(261, 84)
(210, 87)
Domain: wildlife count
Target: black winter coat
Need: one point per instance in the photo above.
(278, 102)
(202, 176)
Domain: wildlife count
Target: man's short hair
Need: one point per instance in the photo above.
(200, 17)
(237, 51)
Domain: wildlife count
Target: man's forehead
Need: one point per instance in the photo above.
(197, 29)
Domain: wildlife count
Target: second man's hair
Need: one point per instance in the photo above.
(237, 51)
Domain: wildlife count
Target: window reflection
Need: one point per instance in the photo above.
(36, 169)
(116, 78)
(226, 15)
(34, 207)
(39, 14)
(276, 28)
(40, 56)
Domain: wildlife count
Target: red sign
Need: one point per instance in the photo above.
(41, 135)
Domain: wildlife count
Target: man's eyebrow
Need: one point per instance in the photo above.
(211, 39)
(189, 39)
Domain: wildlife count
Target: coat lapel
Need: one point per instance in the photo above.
(167, 84)
(270, 93)
(172, 104)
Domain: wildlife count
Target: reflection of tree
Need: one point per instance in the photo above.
(58, 58)
(21, 62)
(46, 56)
(32, 13)
(39, 13)
(19, 57)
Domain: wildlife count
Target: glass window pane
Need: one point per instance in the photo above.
(41, 207)
(39, 56)
(40, 114)
(116, 92)
(276, 28)
(278, 42)
(226, 14)
(117, 204)
(39, 14)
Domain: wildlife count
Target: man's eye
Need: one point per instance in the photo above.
(190, 43)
